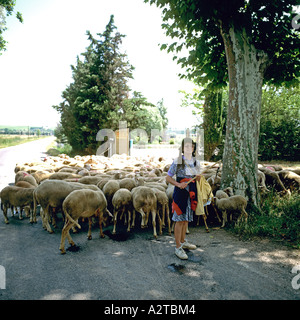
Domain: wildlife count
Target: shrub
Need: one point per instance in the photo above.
(278, 218)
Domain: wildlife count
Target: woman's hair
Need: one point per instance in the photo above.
(181, 151)
(181, 148)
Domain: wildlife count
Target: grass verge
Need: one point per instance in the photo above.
(13, 140)
(278, 219)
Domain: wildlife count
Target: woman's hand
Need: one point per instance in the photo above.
(181, 185)
(198, 177)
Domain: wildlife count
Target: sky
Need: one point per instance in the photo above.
(35, 68)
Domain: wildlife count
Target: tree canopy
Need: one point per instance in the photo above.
(197, 25)
(244, 43)
(6, 9)
(99, 96)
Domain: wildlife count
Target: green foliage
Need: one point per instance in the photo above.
(13, 140)
(97, 92)
(66, 149)
(211, 105)
(59, 134)
(278, 218)
(196, 26)
(6, 9)
(98, 97)
(280, 124)
(260, 45)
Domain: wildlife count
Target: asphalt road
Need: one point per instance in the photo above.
(138, 268)
(29, 151)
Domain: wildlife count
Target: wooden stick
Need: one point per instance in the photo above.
(210, 166)
(203, 171)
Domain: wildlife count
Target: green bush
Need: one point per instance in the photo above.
(278, 218)
(66, 149)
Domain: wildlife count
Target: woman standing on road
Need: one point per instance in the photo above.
(185, 167)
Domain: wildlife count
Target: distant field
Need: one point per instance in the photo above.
(14, 127)
(7, 140)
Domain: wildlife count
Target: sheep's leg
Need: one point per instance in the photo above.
(224, 215)
(216, 212)
(33, 213)
(46, 220)
(163, 215)
(115, 221)
(168, 220)
(100, 225)
(146, 219)
(123, 214)
(12, 210)
(74, 230)
(129, 217)
(89, 237)
(143, 218)
(27, 211)
(65, 233)
(20, 214)
(160, 224)
(125, 218)
(133, 219)
(5, 214)
(243, 215)
(204, 219)
(42, 213)
(54, 217)
(154, 223)
(46, 217)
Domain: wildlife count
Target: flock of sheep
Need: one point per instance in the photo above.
(114, 189)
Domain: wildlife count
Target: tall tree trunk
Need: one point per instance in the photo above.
(246, 67)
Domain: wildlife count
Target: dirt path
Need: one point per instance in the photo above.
(222, 266)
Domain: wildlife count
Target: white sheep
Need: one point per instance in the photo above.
(220, 194)
(235, 203)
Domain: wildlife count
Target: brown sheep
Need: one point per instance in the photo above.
(82, 203)
(24, 176)
(144, 201)
(64, 175)
(127, 183)
(290, 179)
(109, 190)
(234, 203)
(163, 207)
(122, 201)
(17, 197)
(51, 193)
